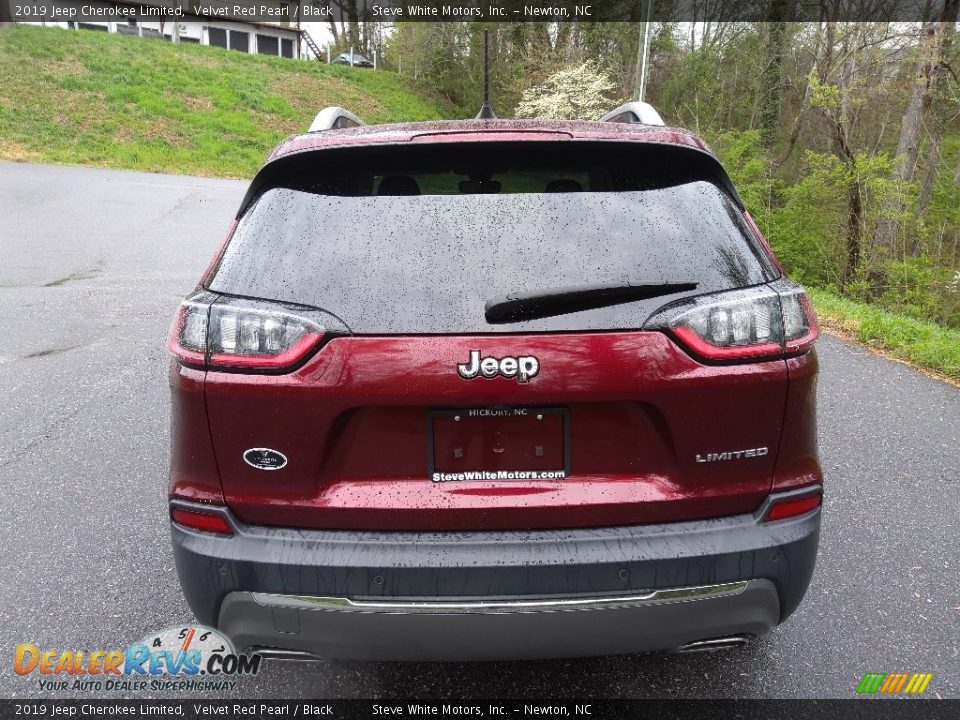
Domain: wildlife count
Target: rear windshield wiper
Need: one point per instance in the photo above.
(536, 304)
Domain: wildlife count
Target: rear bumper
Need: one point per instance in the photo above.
(494, 595)
(430, 632)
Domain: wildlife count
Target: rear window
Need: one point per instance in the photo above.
(416, 241)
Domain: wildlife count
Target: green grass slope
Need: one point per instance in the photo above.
(92, 98)
(918, 342)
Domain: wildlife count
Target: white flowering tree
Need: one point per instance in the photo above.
(579, 93)
(954, 284)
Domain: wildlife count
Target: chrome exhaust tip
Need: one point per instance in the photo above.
(286, 655)
(714, 644)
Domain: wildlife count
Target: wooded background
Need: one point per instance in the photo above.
(843, 138)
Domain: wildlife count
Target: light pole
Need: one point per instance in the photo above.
(643, 52)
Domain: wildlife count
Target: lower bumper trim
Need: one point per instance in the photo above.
(307, 602)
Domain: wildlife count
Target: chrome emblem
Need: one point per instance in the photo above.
(523, 367)
(264, 459)
(732, 455)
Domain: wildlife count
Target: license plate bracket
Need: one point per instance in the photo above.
(498, 441)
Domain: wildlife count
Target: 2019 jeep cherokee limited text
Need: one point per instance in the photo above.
(490, 389)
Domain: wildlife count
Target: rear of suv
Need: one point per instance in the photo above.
(493, 389)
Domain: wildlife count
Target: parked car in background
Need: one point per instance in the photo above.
(356, 60)
(494, 389)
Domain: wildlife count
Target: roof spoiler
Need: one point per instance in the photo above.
(334, 118)
(634, 113)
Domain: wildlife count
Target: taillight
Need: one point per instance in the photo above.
(751, 324)
(790, 507)
(242, 335)
(800, 328)
(199, 520)
(188, 334)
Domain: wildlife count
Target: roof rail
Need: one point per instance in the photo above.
(334, 118)
(634, 113)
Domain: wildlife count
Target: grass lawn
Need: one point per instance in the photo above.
(90, 98)
(922, 343)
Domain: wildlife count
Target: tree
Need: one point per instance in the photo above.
(772, 76)
(579, 93)
(934, 41)
(942, 113)
(839, 97)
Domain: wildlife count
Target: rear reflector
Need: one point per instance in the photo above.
(792, 507)
(198, 520)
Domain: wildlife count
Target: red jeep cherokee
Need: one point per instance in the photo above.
(490, 389)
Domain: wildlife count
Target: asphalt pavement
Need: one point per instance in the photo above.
(92, 265)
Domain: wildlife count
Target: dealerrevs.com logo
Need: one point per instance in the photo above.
(191, 657)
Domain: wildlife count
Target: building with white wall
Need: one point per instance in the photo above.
(257, 38)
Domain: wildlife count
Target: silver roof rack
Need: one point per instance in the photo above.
(334, 118)
(634, 113)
